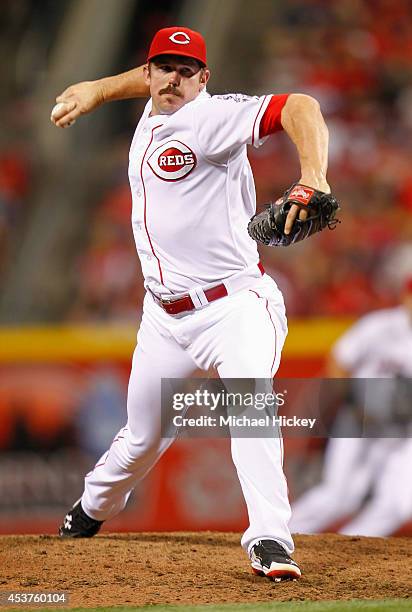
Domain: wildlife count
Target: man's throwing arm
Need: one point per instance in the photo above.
(85, 97)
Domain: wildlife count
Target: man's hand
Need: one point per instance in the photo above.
(77, 100)
(85, 97)
(320, 208)
(297, 212)
(292, 215)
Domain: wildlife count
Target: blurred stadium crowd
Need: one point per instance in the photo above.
(355, 57)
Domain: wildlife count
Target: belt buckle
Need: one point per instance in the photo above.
(166, 301)
(160, 300)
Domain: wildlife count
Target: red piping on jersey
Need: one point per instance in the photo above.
(254, 123)
(274, 327)
(144, 192)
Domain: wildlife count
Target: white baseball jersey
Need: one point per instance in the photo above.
(379, 345)
(193, 191)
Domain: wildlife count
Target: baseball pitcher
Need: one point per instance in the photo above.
(209, 303)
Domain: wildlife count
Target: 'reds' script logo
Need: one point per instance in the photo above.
(172, 161)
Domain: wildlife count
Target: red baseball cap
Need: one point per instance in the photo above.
(178, 41)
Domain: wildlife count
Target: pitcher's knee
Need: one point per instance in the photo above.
(246, 366)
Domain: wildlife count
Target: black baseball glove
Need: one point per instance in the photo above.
(268, 226)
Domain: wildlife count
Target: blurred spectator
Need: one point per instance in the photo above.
(101, 411)
(14, 188)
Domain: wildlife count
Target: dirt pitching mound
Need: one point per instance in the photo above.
(184, 568)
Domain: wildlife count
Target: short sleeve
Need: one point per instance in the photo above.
(226, 122)
(271, 121)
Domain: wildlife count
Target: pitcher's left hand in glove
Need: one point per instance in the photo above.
(268, 226)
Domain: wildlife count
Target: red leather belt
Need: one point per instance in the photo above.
(184, 303)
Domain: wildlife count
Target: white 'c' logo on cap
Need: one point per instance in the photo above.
(184, 39)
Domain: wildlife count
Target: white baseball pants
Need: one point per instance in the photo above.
(241, 336)
(351, 466)
(391, 503)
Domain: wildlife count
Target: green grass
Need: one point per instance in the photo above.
(353, 605)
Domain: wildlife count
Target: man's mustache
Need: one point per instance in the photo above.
(170, 90)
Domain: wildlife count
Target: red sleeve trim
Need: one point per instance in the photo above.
(270, 122)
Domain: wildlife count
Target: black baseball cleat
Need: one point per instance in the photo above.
(269, 558)
(77, 524)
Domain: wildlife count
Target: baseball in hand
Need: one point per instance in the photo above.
(58, 111)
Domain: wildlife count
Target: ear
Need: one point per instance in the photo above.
(204, 78)
(146, 74)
